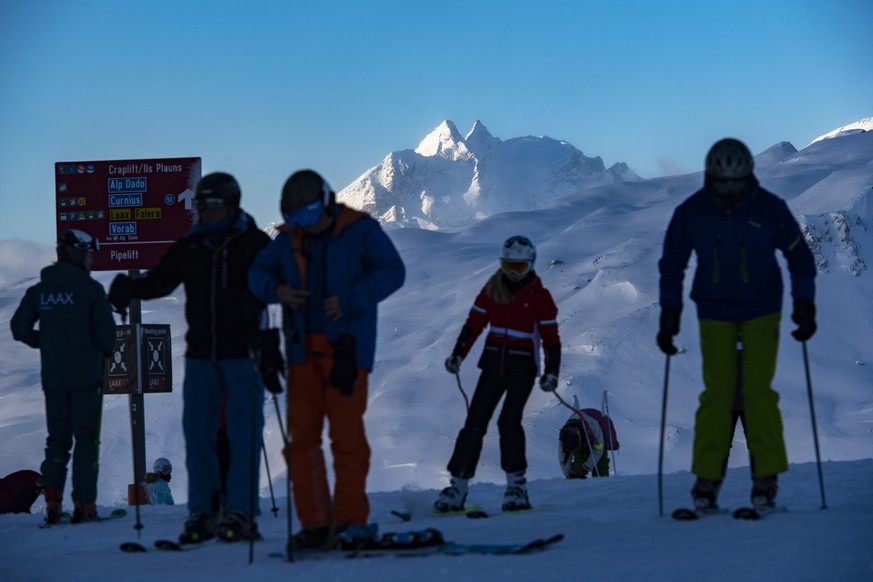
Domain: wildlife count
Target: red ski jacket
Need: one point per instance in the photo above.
(529, 320)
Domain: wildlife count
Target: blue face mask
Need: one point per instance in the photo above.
(305, 216)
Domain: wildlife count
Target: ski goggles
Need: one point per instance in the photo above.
(305, 216)
(519, 267)
(202, 204)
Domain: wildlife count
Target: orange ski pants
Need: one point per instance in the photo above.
(311, 399)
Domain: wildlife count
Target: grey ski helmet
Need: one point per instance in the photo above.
(729, 159)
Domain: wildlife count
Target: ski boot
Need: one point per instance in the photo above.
(237, 526)
(515, 498)
(451, 498)
(764, 492)
(84, 512)
(53, 502)
(199, 527)
(310, 538)
(704, 493)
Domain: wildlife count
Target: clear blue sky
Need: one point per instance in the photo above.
(262, 88)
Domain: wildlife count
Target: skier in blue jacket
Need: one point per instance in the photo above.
(735, 227)
(329, 266)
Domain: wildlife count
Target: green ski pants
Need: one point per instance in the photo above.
(763, 421)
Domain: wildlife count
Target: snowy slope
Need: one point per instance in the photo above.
(597, 254)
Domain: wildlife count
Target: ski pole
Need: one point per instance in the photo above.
(814, 429)
(257, 390)
(464, 394)
(661, 446)
(287, 454)
(605, 405)
(584, 424)
(275, 509)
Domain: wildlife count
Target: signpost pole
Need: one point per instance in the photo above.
(137, 410)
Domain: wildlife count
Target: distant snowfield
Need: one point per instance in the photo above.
(597, 253)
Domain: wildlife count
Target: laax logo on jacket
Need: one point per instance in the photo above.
(52, 299)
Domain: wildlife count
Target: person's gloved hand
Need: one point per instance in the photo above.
(804, 317)
(453, 363)
(549, 382)
(269, 359)
(667, 328)
(120, 293)
(345, 367)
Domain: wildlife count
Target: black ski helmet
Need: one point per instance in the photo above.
(729, 159)
(74, 245)
(304, 187)
(219, 185)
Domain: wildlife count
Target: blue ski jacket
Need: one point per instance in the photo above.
(358, 263)
(737, 276)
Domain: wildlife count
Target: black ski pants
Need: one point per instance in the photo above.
(73, 414)
(503, 372)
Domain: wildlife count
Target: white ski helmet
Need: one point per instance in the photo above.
(517, 249)
(74, 245)
(162, 465)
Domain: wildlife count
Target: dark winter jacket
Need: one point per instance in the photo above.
(519, 324)
(213, 266)
(360, 265)
(737, 277)
(76, 329)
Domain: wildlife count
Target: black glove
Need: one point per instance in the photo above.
(268, 358)
(668, 327)
(120, 293)
(804, 317)
(549, 382)
(345, 365)
(453, 363)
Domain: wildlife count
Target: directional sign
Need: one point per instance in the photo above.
(134, 208)
(142, 357)
(156, 358)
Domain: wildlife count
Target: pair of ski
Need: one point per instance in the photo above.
(166, 546)
(163, 545)
(471, 511)
(67, 519)
(444, 549)
(750, 513)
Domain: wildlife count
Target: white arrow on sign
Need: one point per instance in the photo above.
(187, 196)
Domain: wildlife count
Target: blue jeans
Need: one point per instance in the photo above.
(203, 393)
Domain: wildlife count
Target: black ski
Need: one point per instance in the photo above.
(407, 515)
(446, 549)
(755, 513)
(66, 519)
(162, 545)
(687, 514)
(479, 514)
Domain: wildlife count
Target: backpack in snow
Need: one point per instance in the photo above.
(610, 439)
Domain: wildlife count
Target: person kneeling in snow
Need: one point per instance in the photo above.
(157, 484)
(587, 431)
(575, 446)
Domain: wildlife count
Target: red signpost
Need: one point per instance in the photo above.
(135, 209)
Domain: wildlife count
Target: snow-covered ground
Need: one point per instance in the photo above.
(597, 254)
(612, 532)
